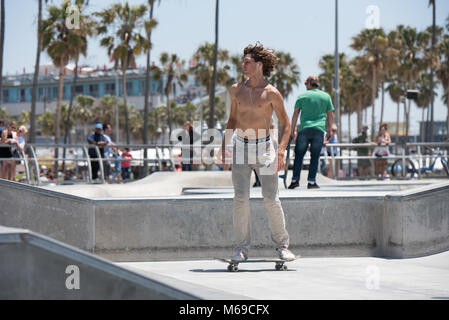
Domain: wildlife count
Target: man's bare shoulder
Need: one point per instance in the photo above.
(272, 92)
(235, 87)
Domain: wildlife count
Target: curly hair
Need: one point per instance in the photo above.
(266, 56)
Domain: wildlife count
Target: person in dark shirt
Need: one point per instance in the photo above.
(96, 138)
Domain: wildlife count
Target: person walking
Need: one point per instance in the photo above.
(252, 104)
(317, 118)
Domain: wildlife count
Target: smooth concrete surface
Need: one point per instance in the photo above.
(389, 218)
(37, 267)
(357, 278)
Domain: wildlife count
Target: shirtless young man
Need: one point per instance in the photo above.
(252, 104)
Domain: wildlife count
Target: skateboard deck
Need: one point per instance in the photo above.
(233, 265)
(287, 160)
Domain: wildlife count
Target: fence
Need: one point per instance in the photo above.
(148, 158)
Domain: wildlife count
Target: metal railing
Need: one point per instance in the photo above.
(162, 157)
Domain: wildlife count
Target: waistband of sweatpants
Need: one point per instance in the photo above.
(253, 141)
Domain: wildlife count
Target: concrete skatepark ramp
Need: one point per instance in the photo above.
(388, 219)
(37, 267)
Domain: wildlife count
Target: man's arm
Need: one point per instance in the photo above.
(329, 123)
(278, 106)
(294, 120)
(232, 122)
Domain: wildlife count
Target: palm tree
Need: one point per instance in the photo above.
(327, 63)
(148, 28)
(122, 25)
(2, 45)
(432, 70)
(396, 91)
(373, 44)
(443, 71)
(424, 100)
(61, 45)
(202, 70)
(410, 64)
(214, 73)
(285, 76)
(172, 69)
(36, 73)
(86, 28)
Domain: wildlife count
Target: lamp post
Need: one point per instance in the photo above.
(336, 71)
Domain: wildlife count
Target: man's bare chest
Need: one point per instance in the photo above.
(253, 100)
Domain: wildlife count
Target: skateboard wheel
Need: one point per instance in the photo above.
(284, 268)
(233, 268)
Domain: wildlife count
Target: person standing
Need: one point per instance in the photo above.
(4, 150)
(126, 164)
(252, 105)
(107, 130)
(187, 153)
(96, 138)
(317, 118)
(382, 141)
(332, 151)
(363, 165)
(8, 136)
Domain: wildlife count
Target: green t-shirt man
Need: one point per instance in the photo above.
(314, 104)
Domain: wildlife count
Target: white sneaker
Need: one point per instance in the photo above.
(285, 254)
(239, 256)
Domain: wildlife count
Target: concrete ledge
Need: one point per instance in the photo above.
(400, 224)
(35, 267)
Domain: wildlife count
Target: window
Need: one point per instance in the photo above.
(93, 90)
(110, 88)
(5, 96)
(79, 90)
(22, 95)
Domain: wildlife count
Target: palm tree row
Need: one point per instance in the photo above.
(393, 63)
(125, 32)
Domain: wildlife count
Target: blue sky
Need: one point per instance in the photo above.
(303, 28)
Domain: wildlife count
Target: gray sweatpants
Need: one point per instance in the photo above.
(241, 177)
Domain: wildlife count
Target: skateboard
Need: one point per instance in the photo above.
(233, 266)
(287, 160)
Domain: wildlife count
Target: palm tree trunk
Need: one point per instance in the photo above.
(214, 72)
(169, 120)
(397, 125)
(423, 134)
(35, 77)
(147, 92)
(383, 103)
(125, 96)
(447, 118)
(58, 112)
(69, 112)
(405, 119)
(359, 114)
(432, 71)
(373, 92)
(408, 117)
(349, 128)
(2, 46)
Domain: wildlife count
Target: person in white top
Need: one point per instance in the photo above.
(17, 147)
